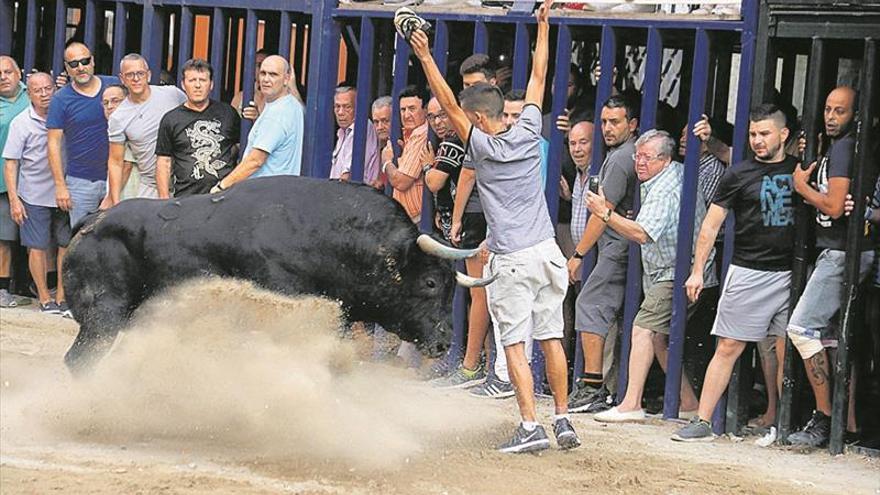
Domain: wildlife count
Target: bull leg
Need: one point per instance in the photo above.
(96, 335)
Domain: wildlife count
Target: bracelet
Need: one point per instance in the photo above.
(577, 255)
(385, 166)
(607, 215)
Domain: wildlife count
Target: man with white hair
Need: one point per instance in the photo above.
(136, 121)
(344, 111)
(656, 229)
(274, 144)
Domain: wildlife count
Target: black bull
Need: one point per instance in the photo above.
(291, 235)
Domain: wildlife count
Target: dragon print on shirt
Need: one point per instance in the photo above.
(205, 138)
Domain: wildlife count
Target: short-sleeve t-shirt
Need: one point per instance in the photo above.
(279, 132)
(837, 162)
(81, 117)
(201, 145)
(508, 168)
(27, 144)
(9, 109)
(760, 196)
(448, 159)
(618, 179)
(138, 125)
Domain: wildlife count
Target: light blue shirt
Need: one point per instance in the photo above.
(279, 132)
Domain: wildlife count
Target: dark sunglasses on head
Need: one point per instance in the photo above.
(73, 64)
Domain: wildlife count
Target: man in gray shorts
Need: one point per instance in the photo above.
(526, 298)
(600, 301)
(754, 301)
(811, 328)
(656, 229)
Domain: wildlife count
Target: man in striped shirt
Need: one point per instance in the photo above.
(406, 176)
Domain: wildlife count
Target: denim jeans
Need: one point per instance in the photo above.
(85, 195)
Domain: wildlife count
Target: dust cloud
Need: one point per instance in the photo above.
(221, 363)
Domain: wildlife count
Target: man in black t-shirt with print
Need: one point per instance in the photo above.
(754, 302)
(810, 328)
(197, 144)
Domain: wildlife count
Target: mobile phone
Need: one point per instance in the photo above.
(593, 184)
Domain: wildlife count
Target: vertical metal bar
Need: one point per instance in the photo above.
(481, 37)
(689, 198)
(218, 50)
(362, 104)
(401, 74)
(441, 45)
(185, 40)
(859, 186)
(521, 44)
(60, 33)
(560, 88)
(120, 26)
(247, 79)
(607, 51)
(7, 11)
(151, 38)
(651, 92)
(803, 222)
(30, 36)
(324, 56)
(299, 45)
(91, 28)
(721, 89)
(284, 35)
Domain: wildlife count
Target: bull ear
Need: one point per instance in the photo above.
(435, 248)
(470, 282)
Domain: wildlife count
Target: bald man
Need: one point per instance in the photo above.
(274, 144)
(811, 325)
(13, 101)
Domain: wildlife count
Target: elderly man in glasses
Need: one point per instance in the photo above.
(136, 122)
(76, 118)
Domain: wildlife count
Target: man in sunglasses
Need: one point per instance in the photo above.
(136, 122)
(76, 118)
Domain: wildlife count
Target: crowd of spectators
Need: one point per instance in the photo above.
(72, 146)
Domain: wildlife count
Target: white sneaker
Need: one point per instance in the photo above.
(631, 8)
(613, 415)
(726, 10)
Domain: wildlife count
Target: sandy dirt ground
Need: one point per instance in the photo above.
(220, 388)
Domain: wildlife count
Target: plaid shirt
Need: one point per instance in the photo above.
(709, 175)
(658, 216)
(579, 210)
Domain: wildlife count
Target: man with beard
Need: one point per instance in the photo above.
(198, 141)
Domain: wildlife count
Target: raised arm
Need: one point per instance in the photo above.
(535, 88)
(439, 87)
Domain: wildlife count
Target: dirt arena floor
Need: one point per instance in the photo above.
(219, 388)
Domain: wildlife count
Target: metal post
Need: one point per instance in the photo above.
(557, 145)
(7, 11)
(324, 56)
(60, 33)
(152, 28)
(481, 37)
(30, 36)
(247, 79)
(362, 103)
(284, 35)
(119, 33)
(401, 75)
(689, 198)
(218, 50)
(521, 43)
(184, 48)
(91, 28)
(862, 161)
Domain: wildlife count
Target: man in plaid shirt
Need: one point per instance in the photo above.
(656, 229)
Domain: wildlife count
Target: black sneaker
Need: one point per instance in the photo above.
(493, 388)
(526, 441)
(566, 437)
(587, 399)
(697, 430)
(814, 434)
(50, 308)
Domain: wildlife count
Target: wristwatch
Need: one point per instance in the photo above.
(607, 215)
(577, 255)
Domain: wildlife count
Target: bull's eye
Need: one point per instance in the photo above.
(430, 283)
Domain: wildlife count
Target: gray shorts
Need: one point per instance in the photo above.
(753, 304)
(600, 301)
(814, 314)
(8, 228)
(526, 299)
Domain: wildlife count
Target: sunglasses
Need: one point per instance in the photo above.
(73, 64)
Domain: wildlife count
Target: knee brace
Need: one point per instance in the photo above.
(807, 346)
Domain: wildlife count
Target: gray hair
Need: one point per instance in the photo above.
(11, 61)
(665, 144)
(341, 90)
(133, 57)
(382, 102)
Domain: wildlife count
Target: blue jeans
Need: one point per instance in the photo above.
(85, 195)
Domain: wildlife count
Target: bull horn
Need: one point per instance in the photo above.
(436, 248)
(471, 282)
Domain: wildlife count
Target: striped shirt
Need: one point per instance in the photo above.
(658, 217)
(579, 210)
(709, 175)
(410, 165)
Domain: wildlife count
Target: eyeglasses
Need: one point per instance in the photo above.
(638, 157)
(432, 116)
(73, 64)
(134, 76)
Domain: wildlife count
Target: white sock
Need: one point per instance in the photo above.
(530, 425)
(557, 417)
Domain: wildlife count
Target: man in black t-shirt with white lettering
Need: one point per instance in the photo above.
(810, 328)
(754, 302)
(197, 144)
